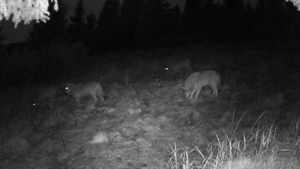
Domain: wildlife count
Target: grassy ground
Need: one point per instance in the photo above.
(146, 122)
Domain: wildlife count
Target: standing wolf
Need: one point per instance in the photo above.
(78, 91)
(194, 83)
(179, 67)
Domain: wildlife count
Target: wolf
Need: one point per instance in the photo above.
(194, 83)
(179, 67)
(45, 96)
(80, 90)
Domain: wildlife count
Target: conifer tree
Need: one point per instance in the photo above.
(43, 33)
(77, 27)
(91, 24)
(191, 16)
(129, 21)
(26, 10)
(108, 25)
(152, 22)
(1, 37)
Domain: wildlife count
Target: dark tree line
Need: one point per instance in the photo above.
(147, 23)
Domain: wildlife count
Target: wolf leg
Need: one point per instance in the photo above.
(193, 92)
(215, 90)
(198, 91)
